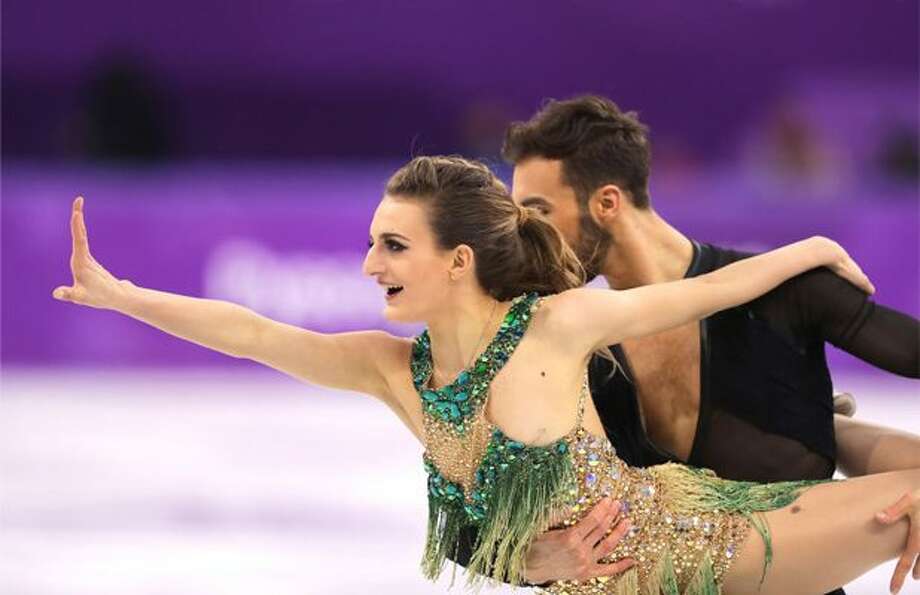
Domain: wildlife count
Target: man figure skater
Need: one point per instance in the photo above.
(746, 392)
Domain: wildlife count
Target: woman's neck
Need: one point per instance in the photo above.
(462, 333)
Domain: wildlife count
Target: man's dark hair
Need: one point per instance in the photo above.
(597, 143)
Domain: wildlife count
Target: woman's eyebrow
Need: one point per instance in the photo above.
(388, 235)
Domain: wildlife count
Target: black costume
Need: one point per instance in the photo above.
(766, 402)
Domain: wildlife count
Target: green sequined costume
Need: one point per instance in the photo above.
(687, 524)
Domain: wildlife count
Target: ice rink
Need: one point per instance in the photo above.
(233, 483)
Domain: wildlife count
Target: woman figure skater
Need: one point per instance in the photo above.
(495, 390)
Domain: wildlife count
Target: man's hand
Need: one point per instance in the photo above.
(573, 553)
(907, 507)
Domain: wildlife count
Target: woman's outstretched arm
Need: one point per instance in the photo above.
(350, 361)
(595, 318)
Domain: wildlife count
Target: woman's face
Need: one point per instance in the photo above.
(405, 260)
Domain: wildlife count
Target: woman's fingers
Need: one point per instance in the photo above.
(849, 270)
(864, 278)
(79, 256)
(78, 229)
(63, 293)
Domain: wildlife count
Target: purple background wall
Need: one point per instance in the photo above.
(237, 149)
(290, 78)
(273, 126)
(289, 242)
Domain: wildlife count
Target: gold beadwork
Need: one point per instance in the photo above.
(662, 531)
(680, 542)
(456, 455)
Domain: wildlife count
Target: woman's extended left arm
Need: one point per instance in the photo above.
(596, 318)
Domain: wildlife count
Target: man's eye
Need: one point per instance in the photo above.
(545, 211)
(394, 246)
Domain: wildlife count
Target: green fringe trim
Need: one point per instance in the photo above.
(689, 489)
(693, 489)
(628, 583)
(703, 581)
(445, 521)
(522, 497)
(663, 580)
(520, 503)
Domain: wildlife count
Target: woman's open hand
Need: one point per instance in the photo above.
(92, 284)
(844, 266)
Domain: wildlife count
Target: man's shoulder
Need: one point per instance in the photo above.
(818, 280)
(710, 257)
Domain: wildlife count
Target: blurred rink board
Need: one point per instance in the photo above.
(227, 482)
(288, 241)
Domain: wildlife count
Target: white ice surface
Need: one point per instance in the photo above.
(229, 483)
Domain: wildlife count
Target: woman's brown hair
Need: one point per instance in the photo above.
(517, 250)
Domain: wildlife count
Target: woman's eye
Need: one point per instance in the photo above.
(394, 246)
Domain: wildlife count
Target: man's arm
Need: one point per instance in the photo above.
(833, 310)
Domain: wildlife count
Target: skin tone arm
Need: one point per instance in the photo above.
(594, 318)
(337, 361)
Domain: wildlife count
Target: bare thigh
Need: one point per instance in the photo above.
(826, 538)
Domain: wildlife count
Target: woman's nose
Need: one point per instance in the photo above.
(371, 265)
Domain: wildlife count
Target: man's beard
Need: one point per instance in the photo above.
(591, 247)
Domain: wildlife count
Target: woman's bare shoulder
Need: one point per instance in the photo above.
(559, 312)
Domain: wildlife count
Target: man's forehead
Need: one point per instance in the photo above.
(540, 167)
(537, 170)
(539, 180)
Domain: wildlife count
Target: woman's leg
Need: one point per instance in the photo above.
(826, 538)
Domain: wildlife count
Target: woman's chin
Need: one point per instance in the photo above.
(401, 314)
(394, 313)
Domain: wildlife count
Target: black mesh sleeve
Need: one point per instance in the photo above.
(836, 311)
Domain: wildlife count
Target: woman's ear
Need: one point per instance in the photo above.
(461, 262)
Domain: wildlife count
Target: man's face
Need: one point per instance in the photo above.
(537, 184)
